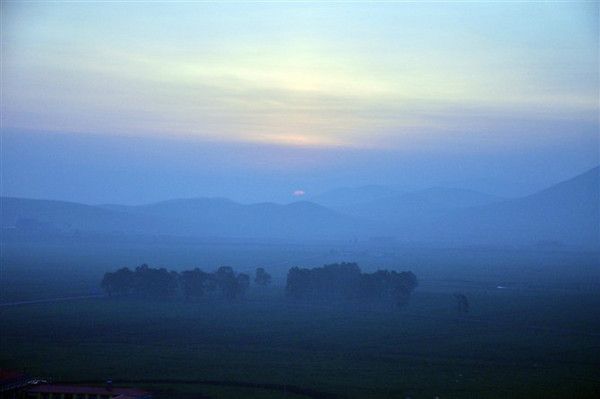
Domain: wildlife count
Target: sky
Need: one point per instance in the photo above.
(257, 100)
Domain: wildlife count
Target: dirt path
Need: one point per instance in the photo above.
(51, 300)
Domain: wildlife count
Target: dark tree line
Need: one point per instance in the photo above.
(346, 281)
(262, 277)
(335, 281)
(148, 282)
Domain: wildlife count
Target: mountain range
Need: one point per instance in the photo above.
(565, 213)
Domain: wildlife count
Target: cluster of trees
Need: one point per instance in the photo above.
(151, 282)
(346, 281)
(334, 281)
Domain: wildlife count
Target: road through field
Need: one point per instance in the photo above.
(51, 300)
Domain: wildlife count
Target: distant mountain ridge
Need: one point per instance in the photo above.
(423, 202)
(200, 217)
(344, 196)
(63, 216)
(566, 213)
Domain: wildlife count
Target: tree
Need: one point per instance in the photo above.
(262, 277)
(346, 281)
(155, 283)
(402, 285)
(194, 283)
(462, 303)
(298, 283)
(374, 286)
(243, 282)
(119, 282)
(161, 283)
(227, 282)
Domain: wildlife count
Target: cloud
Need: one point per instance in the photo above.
(318, 82)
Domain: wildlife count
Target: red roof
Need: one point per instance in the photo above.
(52, 388)
(10, 375)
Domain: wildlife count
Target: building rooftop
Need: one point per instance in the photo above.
(11, 380)
(9, 375)
(113, 391)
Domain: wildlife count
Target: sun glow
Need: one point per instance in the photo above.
(296, 75)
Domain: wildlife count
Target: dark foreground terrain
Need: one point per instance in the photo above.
(537, 336)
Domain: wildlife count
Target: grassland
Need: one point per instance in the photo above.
(510, 346)
(537, 338)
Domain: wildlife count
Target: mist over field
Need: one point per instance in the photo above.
(299, 200)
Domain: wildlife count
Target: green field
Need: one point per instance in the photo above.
(537, 338)
(511, 345)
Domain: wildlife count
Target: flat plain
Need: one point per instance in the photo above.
(513, 343)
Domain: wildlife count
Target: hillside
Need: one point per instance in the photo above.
(343, 197)
(200, 217)
(48, 215)
(408, 206)
(566, 213)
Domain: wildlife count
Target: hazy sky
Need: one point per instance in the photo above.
(295, 96)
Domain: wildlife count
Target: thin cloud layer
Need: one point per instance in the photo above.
(298, 75)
